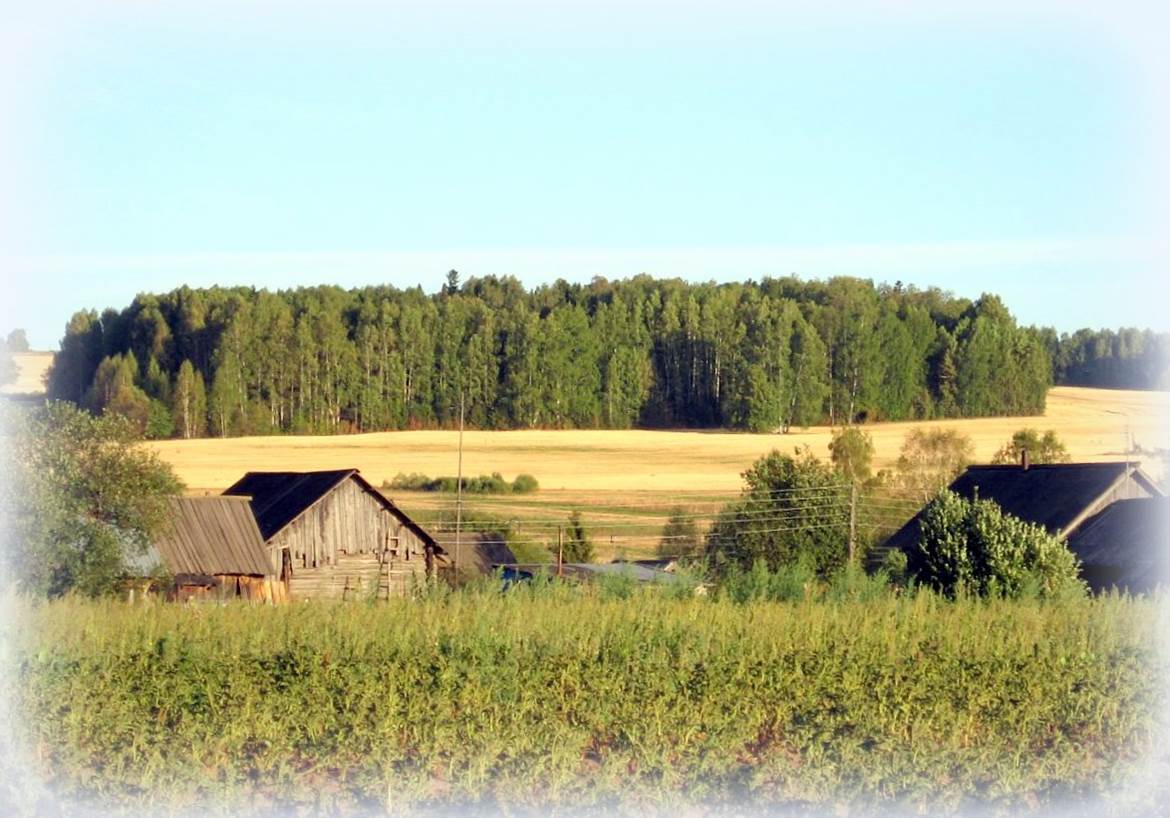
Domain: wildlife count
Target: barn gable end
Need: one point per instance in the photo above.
(333, 534)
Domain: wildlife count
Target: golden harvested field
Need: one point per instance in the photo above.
(30, 373)
(627, 482)
(1094, 424)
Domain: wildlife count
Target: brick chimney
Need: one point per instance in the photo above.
(1024, 459)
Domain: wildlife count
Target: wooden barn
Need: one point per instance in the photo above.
(332, 534)
(213, 549)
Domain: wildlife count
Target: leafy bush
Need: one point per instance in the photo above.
(787, 583)
(620, 585)
(930, 460)
(524, 484)
(80, 497)
(578, 547)
(791, 509)
(972, 545)
(1046, 448)
(483, 484)
(853, 584)
(411, 482)
(851, 452)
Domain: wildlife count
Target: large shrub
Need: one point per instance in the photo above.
(79, 498)
(974, 545)
(791, 509)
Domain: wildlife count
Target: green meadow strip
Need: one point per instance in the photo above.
(565, 695)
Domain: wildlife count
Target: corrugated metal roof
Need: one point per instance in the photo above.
(213, 535)
(278, 498)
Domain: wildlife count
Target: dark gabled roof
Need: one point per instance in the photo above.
(1132, 533)
(1055, 496)
(212, 535)
(483, 549)
(279, 497)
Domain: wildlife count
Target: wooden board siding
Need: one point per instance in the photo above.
(233, 586)
(335, 546)
(358, 576)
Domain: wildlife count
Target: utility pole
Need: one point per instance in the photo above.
(852, 521)
(459, 491)
(560, 550)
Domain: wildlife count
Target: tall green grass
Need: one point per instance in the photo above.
(551, 694)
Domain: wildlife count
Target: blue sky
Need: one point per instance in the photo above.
(1015, 152)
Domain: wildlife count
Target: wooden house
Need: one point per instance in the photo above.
(1061, 497)
(332, 534)
(213, 549)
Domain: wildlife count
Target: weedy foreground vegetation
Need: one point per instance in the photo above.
(615, 696)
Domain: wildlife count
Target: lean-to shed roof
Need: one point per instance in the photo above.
(212, 535)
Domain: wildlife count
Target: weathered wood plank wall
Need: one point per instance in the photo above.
(336, 544)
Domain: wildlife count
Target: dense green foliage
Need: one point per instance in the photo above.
(1126, 359)
(548, 694)
(576, 546)
(851, 453)
(643, 352)
(78, 499)
(791, 509)
(493, 483)
(971, 545)
(1041, 448)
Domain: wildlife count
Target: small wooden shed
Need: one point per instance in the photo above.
(332, 534)
(213, 548)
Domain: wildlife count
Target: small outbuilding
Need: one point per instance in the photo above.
(213, 549)
(332, 534)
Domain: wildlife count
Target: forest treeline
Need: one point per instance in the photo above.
(637, 352)
(1126, 359)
